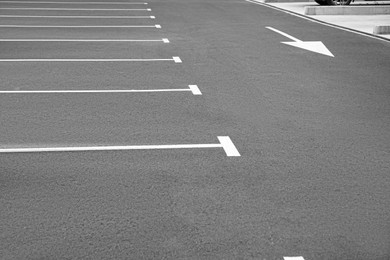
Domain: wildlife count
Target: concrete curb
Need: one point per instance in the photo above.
(382, 29)
(347, 10)
(286, 1)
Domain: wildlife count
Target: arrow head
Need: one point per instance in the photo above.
(313, 46)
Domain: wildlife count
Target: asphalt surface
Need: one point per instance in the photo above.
(313, 132)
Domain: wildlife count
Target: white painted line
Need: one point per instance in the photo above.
(71, 9)
(313, 46)
(192, 88)
(293, 258)
(195, 90)
(74, 3)
(124, 148)
(284, 34)
(86, 60)
(177, 59)
(73, 17)
(81, 26)
(81, 40)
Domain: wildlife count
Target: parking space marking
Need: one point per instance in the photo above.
(293, 258)
(225, 143)
(71, 9)
(81, 40)
(175, 59)
(80, 26)
(74, 3)
(192, 88)
(79, 16)
(195, 89)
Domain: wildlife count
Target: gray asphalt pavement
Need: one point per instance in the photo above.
(313, 132)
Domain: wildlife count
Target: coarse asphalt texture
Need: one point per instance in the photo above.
(313, 132)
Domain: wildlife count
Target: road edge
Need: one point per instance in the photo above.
(377, 37)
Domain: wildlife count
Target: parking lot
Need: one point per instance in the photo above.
(188, 130)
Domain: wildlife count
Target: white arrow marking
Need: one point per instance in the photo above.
(314, 46)
(224, 142)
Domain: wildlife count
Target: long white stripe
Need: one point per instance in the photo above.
(192, 88)
(72, 9)
(81, 26)
(85, 60)
(74, 3)
(225, 143)
(106, 148)
(81, 40)
(72, 16)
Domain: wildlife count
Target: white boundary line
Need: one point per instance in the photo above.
(293, 258)
(72, 9)
(175, 59)
(316, 21)
(73, 17)
(192, 88)
(225, 143)
(81, 26)
(80, 3)
(81, 40)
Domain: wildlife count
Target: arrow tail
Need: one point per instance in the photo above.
(284, 34)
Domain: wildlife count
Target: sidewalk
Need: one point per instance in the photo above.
(362, 23)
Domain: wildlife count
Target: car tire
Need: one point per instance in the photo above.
(338, 2)
(321, 2)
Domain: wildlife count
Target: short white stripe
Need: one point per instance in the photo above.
(293, 258)
(71, 9)
(69, 16)
(81, 40)
(82, 26)
(74, 3)
(83, 60)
